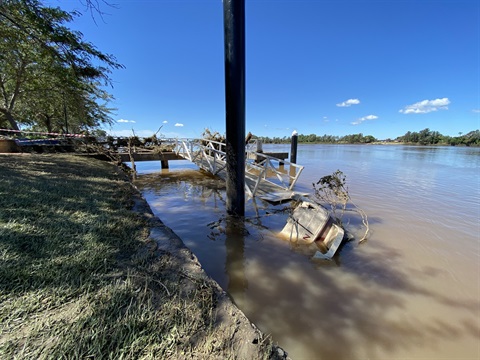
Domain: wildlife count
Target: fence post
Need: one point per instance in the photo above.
(259, 146)
(293, 148)
(293, 156)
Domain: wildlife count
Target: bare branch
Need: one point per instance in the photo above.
(94, 7)
(333, 190)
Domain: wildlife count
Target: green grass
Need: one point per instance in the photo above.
(79, 278)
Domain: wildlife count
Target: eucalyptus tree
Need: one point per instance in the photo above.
(48, 70)
(62, 102)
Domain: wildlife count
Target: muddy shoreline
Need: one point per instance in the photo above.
(248, 339)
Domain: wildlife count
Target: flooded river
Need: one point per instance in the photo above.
(412, 291)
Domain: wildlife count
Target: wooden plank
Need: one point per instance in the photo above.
(277, 155)
(281, 196)
(151, 156)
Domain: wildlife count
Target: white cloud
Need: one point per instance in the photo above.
(365, 118)
(349, 102)
(369, 117)
(126, 121)
(165, 122)
(426, 106)
(178, 124)
(476, 110)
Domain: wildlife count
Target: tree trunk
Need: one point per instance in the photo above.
(11, 120)
(48, 122)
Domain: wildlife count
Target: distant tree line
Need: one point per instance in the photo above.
(423, 137)
(428, 137)
(321, 139)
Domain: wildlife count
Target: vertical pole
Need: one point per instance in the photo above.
(259, 146)
(234, 43)
(65, 114)
(293, 148)
(293, 156)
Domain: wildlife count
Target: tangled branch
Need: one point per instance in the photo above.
(333, 190)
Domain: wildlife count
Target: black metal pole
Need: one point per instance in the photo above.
(293, 148)
(234, 39)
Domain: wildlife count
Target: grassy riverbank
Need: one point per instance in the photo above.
(80, 278)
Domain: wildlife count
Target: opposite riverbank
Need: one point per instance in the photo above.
(88, 272)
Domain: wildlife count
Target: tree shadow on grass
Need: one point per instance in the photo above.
(63, 222)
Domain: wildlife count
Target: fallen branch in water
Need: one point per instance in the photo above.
(364, 217)
(333, 190)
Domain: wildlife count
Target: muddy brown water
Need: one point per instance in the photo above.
(412, 291)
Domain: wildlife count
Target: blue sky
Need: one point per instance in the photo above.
(377, 67)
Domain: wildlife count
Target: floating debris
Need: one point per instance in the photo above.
(311, 223)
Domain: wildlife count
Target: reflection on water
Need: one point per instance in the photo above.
(235, 259)
(412, 291)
